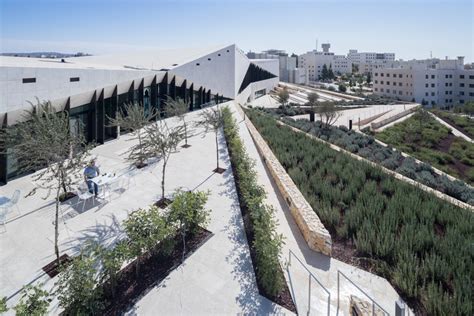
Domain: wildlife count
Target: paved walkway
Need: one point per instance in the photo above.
(365, 113)
(217, 279)
(323, 267)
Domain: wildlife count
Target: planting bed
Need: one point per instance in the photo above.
(365, 146)
(258, 220)
(418, 242)
(152, 269)
(461, 122)
(430, 141)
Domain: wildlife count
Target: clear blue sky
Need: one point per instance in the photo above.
(409, 28)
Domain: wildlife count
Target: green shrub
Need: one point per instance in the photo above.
(3, 305)
(77, 287)
(421, 244)
(34, 301)
(267, 243)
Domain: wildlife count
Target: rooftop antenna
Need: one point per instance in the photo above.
(316, 44)
(431, 54)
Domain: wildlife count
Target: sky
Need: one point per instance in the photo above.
(408, 28)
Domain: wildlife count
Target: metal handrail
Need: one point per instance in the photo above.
(311, 275)
(373, 301)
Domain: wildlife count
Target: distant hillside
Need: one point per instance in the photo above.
(45, 54)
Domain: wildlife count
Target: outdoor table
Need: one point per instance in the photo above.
(102, 180)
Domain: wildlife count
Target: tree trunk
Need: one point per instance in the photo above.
(63, 181)
(185, 133)
(163, 178)
(56, 225)
(140, 160)
(217, 150)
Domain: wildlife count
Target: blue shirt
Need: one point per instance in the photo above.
(91, 172)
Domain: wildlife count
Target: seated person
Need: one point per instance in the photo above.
(91, 171)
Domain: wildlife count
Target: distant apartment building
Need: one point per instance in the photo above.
(314, 62)
(366, 61)
(288, 70)
(434, 82)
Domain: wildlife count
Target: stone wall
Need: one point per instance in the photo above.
(391, 119)
(313, 230)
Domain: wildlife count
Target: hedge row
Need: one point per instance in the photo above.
(365, 146)
(420, 243)
(265, 242)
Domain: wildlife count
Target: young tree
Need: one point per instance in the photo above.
(134, 117)
(342, 88)
(330, 72)
(325, 73)
(44, 142)
(329, 114)
(355, 68)
(161, 141)
(179, 108)
(77, 289)
(211, 119)
(283, 96)
(369, 78)
(145, 229)
(34, 302)
(312, 102)
(112, 260)
(187, 210)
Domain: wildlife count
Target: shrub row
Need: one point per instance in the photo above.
(91, 284)
(420, 243)
(365, 146)
(265, 242)
(425, 138)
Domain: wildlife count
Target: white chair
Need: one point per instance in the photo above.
(13, 201)
(83, 194)
(117, 186)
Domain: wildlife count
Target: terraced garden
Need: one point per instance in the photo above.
(428, 140)
(463, 123)
(420, 243)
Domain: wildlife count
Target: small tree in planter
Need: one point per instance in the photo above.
(34, 302)
(179, 108)
(161, 141)
(187, 210)
(44, 142)
(112, 260)
(145, 229)
(329, 114)
(283, 96)
(212, 119)
(312, 102)
(77, 287)
(134, 117)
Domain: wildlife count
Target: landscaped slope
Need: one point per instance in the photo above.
(463, 123)
(421, 244)
(428, 140)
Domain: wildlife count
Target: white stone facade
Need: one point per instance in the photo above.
(314, 61)
(366, 61)
(435, 82)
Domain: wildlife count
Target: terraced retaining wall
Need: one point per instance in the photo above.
(316, 235)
